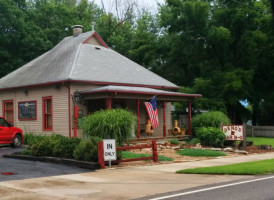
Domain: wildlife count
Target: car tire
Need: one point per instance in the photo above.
(17, 140)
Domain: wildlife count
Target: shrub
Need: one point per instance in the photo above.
(30, 138)
(65, 147)
(174, 141)
(87, 150)
(209, 119)
(193, 141)
(42, 148)
(115, 124)
(211, 136)
(44, 145)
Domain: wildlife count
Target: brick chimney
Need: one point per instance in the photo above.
(77, 30)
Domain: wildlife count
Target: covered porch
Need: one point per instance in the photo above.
(133, 98)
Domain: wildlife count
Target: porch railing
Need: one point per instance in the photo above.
(153, 146)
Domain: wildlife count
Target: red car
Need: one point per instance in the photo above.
(10, 134)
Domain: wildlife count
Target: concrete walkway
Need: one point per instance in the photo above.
(121, 183)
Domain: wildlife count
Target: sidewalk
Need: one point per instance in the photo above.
(122, 183)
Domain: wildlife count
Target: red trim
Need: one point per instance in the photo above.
(34, 85)
(189, 119)
(91, 82)
(164, 118)
(45, 128)
(35, 118)
(4, 109)
(108, 103)
(69, 109)
(98, 37)
(76, 111)
(150, 93)
(69, 100)
(123, 84)
(138, 119)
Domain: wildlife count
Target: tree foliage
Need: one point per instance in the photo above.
(223, 50)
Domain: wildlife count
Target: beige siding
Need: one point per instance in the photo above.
(59, 103)
(74, 87)
(61, 118)
(94, 40)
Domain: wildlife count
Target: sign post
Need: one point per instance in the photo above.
(109, 150)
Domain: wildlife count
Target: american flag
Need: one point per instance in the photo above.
(152, 112)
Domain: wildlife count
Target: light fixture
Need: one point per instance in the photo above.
(76, 97)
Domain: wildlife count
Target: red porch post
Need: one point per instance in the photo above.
(164, 118)
(108, 102)
(76, 108)
(138, 119)
(101, 155)
(189, 118)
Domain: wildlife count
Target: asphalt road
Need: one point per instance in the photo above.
(30, 169)
(258, 188)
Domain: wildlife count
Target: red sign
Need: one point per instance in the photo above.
(233, 132)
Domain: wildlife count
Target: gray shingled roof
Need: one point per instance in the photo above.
(71, 60)
(136, 90)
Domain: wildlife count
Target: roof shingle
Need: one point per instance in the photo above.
(71, 60)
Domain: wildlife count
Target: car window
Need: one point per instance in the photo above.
(3, 122)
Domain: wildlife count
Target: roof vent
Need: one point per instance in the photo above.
(98, 48)
(77, 30)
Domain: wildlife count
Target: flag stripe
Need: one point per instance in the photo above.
(152, 113)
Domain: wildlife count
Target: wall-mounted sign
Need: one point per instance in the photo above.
(27, 110)
(233, 132)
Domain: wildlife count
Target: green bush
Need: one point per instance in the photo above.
(174, 141)
(65, 147)
(193, 141)
(209, 119)
(42, 148)
(44, 145)
(30, 138)
(87, 150)
(118, 124)
(211, 136)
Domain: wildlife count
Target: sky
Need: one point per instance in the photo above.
(151, 4)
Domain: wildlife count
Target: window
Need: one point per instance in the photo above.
(27, 110)
(8, 111)
(47, 113)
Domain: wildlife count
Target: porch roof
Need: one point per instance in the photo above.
(142, 92)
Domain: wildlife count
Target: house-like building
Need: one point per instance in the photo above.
(82, 70)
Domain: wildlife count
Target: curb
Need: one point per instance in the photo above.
(64, 161)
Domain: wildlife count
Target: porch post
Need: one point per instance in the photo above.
(164, 118)
(189, 118)
(138, 119)
(108, 102)
(76, 109)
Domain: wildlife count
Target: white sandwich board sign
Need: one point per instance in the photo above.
(109, 150)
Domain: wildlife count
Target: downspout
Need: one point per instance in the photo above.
(69, 109)
(138, 119)
(189, 118)
(164, 118)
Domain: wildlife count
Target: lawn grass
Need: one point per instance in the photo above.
(247, 168)
(129, 155)
(261, 140)
(200, 153)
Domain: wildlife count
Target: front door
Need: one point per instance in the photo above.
(5, 135)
